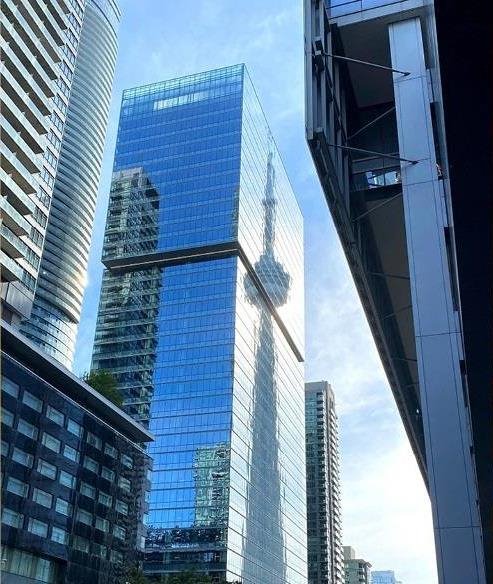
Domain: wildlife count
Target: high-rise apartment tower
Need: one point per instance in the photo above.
(58, 299)
(201, 321)
(325, 555)
(39, 42)
(386, 128)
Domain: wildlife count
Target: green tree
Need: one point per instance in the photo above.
(135, 576)
(104, 382)
(188, 578)
(191, 578)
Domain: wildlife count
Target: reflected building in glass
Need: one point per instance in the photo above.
(201, 321)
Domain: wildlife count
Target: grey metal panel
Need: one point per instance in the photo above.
(453, 487)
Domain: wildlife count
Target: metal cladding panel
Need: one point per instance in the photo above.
(453, 487)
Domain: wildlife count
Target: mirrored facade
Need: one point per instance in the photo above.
(201, 320)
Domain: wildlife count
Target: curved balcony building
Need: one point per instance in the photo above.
(62, 278)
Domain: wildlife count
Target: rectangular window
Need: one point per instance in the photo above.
(98, 550)
(94, 441)
(59, 535)
(17, 487)
(37, 527)
(32, 401)
(51, 442)
(81, 544)
(74, 428)
(127, 461)
(7, 418)
(116, 557)
(12, 518)
(124, 484)
(121, 507)
(55, 416)
(110, 451)
(87, 490)
(107, 474)
(42, 498)
(105, 499)
(5, 448)
(67, 479)
(46, 469)
(71, 453)
(22, 457)
(91, 464)
(10, 387)
(119, 532)
(63, 507)
(84, 517)
(27, 429)
(102, 524)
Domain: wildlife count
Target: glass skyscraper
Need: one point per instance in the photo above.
(201, 321)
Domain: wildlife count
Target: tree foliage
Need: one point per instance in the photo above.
(189, 578)
(136, 576)
(105, 383)
(192, 578)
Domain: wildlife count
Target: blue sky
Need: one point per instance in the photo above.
(386, 511)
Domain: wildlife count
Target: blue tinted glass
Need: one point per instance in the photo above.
(207, 349)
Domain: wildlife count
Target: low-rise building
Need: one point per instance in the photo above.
(74, 475)
(356, 570)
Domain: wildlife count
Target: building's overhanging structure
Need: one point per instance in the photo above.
(376, 131)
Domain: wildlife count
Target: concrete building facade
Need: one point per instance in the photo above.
(39, 47)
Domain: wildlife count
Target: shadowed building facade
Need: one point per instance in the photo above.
(75, 478)
(201, 321)
(385, 91)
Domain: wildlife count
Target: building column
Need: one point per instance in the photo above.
(453, 486)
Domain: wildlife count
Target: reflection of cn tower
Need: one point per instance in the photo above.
(264, 497)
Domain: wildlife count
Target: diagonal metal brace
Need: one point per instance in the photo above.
(374, 65)
(372, 123)
(374, 153)
(379, 206)
(386, 275)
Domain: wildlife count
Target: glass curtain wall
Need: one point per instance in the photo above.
(201, 321)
